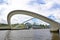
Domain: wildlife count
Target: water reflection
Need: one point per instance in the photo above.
(46, 35)
(31, 34)
(55, 36)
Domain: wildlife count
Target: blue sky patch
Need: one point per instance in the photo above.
(37, 1)
(52, 17)
(35, 20)
(3, 2)
(55, 6)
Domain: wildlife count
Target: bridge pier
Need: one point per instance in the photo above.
(54, 28)
(54, 31)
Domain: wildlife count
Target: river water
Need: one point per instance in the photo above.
(31, 34)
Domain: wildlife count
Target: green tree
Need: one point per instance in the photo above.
(28, 25)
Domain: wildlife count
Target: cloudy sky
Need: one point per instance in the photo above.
(47, 8)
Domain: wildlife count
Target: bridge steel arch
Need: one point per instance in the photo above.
(54, 25)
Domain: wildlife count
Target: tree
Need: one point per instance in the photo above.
(28, 25)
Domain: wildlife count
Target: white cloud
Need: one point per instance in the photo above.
(14, 5)
(23, 5)
(54, 1)
(44, 9)
(19, 18)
